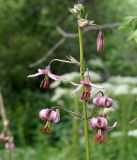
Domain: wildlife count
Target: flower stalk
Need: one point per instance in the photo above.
(6, 133)
(82, 68)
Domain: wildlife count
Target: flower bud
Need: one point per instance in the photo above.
(100, 42)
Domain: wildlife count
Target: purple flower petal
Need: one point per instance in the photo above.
(54, 116)
(102, 122)
(40, 72)
(93, 123)
(34, 75)
(110, 128)
(44, 114)
(95, 86)
(55, 77)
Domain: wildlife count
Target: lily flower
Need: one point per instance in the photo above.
(9, 145)
(103, 101)
(100, 124)
(48, 74)
(49, 115)
(87, 86)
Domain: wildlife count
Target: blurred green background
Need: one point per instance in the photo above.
(27, 33)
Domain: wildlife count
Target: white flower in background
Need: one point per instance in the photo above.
(71, 76)
(123, 80)
(121, 90)
(116, 134)
(109, 88)
(134, 91)
(133, 133)
(59, 92)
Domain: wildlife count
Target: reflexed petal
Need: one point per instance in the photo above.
(55, 77)
(103, 101)
(93, 123)
(95, 86)
(57, 118)
(78, 88)
(34, 75)
(102, 122)
(95, 101)
(110, 128)
(54, 116)
(44, 114)
(75, 84)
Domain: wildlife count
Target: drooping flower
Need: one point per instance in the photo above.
(100, 124)
(48, 74)
(49, 115)
(9, 145)
(100, 42)
(87, 86)
(103, 101)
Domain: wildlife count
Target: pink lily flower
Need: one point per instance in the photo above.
(49, 115)
(87, 86)
(100, 124)
(48, 74)
(103, 101)
(2, 138)
(9, 145)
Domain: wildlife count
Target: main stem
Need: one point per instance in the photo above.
(84, 102)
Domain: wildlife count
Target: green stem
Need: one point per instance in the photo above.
(75, 131)
(84, 102)
(64, 61)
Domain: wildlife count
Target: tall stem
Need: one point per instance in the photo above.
(75, 131)
(84, 102)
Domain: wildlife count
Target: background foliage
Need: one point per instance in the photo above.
(27, 32)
